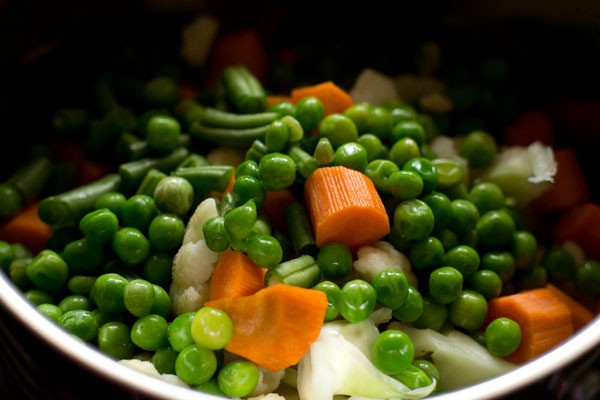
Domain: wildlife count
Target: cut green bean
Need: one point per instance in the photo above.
(300, 229)
(224, 119)
(243, 90)
(232, 137)
(302, 271)
(31, 178)
(305, 163)
(133, 173)
(150, 182)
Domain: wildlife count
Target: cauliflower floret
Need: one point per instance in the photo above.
(146, 367)
(380, 256)
(187, 298)
(193, 264)
(268, 381)
(268, 396)
(204, 211)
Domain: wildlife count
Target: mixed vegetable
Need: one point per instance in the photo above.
(321, 242)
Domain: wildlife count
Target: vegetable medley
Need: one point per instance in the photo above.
(320, 242)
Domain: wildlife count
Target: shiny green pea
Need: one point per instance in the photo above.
(83, 255)
(47, 271)
(414, 219)
(264, 250)
(81, 284)
(426, 253)
(502, 336)
(450, 172)
(524, 248)
(51, 311)
(37, 296)
(412, 308)
(392, 351)
(113, 201)
(180, 331)
(468, 311)
(495, 229)
(131, 246)
(108, 292)
(464, 258)
(404, 150)
(413, 377)
(339, 129)
(158, 268)
(426, 170)
(351, 155)
(372, 144)
(277, 171)
(405, 185)
(74, 302)
(138, 297)
(380, 121)
(238, 222)
(166, 232)
(445, 284)
(309, 112)
(238, 378)
(391, 287)
(138, 211)
(277, 136)
(332, 291)
(164, 360)
(99, 225)
(434, 315)
(464, 216)
(408, 128)
(174, 195)
(430, 369)
(162, 302)
(334, 260)
(380, 171)
(559, 263)
(441, 206)
(212, 328)
(195, 364)
(114, 340)
(478, 148)
(487, 196)
(283, 108)
(403, 112)
(247, 167)
(357, 300)
(501, 262)
(150, 332)
(248, 187)
(81, 323)
(359, 114)
(486, 282)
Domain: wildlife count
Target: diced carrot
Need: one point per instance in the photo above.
(275, 204)
(334, 98)
(240, 47)
(27, 228)
(235, 275)
(580, 315)
(277, 99)
(275, 326)
(580, 225)
(529, 127)
(344, 206)
(545, 321)
(570, 186)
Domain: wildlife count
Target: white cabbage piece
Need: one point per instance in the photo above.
(338, 363)
(460, 360)
(445, 147)
(373, 87)
(146, 367)
(380, 256)
(522, 172)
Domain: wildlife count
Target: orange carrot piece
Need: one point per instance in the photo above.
(235, 275)
(570, 186)
(580, 225)
(545, 321)
(240, 47)
(580, 315)
(334, 98)
(531, 126)
(271, 100)
(275, 326)
(26, 228)
(344, 206)
(275, 204)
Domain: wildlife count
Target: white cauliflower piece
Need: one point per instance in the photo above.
(222, 155)
(373, 87)
(380, 256)
(146, 367)
(197, 39)
(268, 396)
(268, 381)
(445, 147)
(184, 299)
(203, 212)
(193, 264)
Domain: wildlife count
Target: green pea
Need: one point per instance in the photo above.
(487, 196)
(468, 311)
(83, 255)
(405, 185)
(408, 128)
(74, 302)
(332, 291)
(413, 377)
(174, 195)
(464, 216)
(162, 302)
(339, 129)
(195, 364)
(162, 134)
(164, 360)
(212, 328)
(501, 262)
(486, 282)
(158, 268)
(277, 171)
(359, 114)
(524, 249)
(248, 187)
(99, 225)
(309, 112)
(357, 300)
(38, 297)
(12, 201)
(463, 258)
(334, 260)
(392, 351)
(131, 246)
(114, 340)
(380, 171)
(441, 206)
(17, 271)
(239, 222)
(495, 229)
(450, 172)
(150, 332)
(559, 263)
(277, 136)
(247, 167)
(380, 121)
(588, 277)
(445, 284)
(215, 234)
(532, 278)
(403, 112)
(412, 308)
(478, 148)
(414, 219)
(81, 284)
(448, 238)
(430, 369)
(372, 144)
(426, 253)
(138, 297)
(426, 170)
(404, 150)
(433, 316)
(283, 108)
(166, 232)
(47, 271)
(502, 336)
(351, 155)
(138, 211)
(7, 255)
(113, 201)
(391, 287)
(51, 311)
(180, 331)
(81, 323)
(238, 378)
(264, 250)
(108, 293)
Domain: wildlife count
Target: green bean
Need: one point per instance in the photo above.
(223, 119)
(256, 151)
(243, 90)
(69, 207)
(324, 153)
(302, 271)
(305, 163)
(11, 201)
(150, 182)
(231, 137)
(300, 229)
(31, 178)
(133, 173)
(206, 179)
